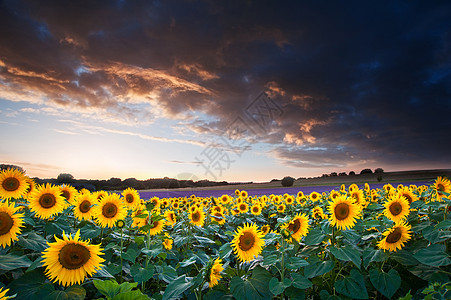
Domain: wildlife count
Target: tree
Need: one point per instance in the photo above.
(342, 174)
(379, 170)
(287, 181)
(352, 173)
(366, 171)
(65, 178)
(5, 167)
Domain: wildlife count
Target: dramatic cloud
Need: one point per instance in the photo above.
(352, 82)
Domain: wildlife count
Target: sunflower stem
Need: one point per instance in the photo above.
(122, 244)
(334, 259)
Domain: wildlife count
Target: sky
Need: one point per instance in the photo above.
(224, 90)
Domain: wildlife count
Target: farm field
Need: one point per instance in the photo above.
(335, 241)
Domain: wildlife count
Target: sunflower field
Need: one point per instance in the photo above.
(353, 242)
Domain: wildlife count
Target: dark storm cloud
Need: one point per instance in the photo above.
(357, 81)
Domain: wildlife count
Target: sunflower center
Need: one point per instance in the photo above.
(11, 184)
(394, 236)
(242, 207)
(247, 241)
(294, 226)
(47, 200)
(66, 195)
(73, 256)
(195, 216)
(129, 198)
(440, 187)
(341, 211)
(85, 206)
(395, 208)
(109, 210)
(255, 209)
(6, 223)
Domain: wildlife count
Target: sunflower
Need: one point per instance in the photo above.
(224, 199)
(10, 223)
(13, 184)
(100, 194)
(156, 225)
(315, 196)
(218, 217)
(243, 194)
(318, 213)
(408, 194)
(31, 187)
(46, 201)
(168, 241)
(265, 229)
(397, 208)
(83, 206)
(139, 216)
(197, 217)
(69, 193)
(300, 194)
(358, 196)
(395, 237)
(343, 212)
(69, 260)
(248, 242)
(171, 217)
(256, 209)
(243, 207)
(442, 185)
(131, 198)
(109, 210)
(281, 208)
(215, 273)
(3, 294)
(289, 200)
(298, 226)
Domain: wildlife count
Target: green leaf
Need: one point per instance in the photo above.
(276, 287)
(75, 292)
(176, 287)
(300, 281)
(10, 262)
(103, 273)
(33, 242)
(127, 286)
(57, 228)
(443, 225)
(36, 264)
(131, 295)
(203, 240)
(270, 260)
(318, 268)
(386, 283)
(433, 255)
(435, 236)
(347, 254)
(296, 263)
(108, 288)
(130, 255)
(225, 251)
(294, 293)
(188, 262)
(314, 237)
(28, 285)
(167, 273)
(90, 231)
(352, 286)
(373, 255)
(255, 287)
(405, 258)
(141, 274)
(153, 252)
(113, 268)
